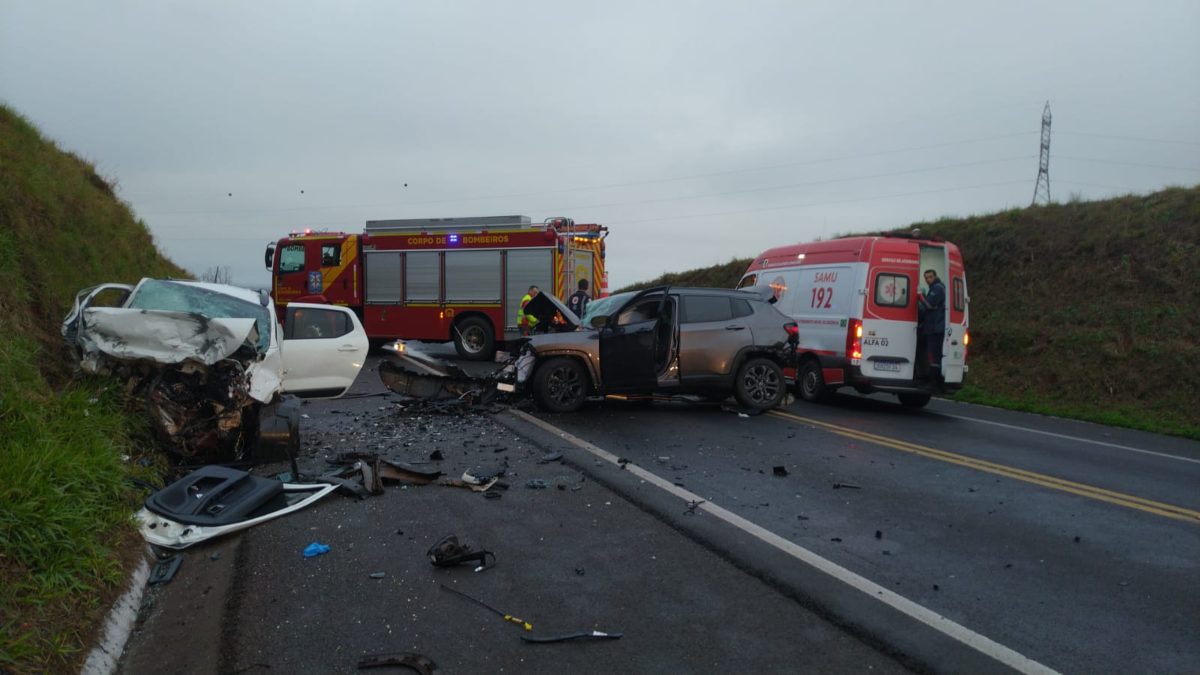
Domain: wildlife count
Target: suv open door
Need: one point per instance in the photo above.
(324, 347)
(627, 343)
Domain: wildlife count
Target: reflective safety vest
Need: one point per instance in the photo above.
(525, 321)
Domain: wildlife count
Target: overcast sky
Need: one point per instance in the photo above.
(697, 131)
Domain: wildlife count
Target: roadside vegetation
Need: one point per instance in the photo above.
(67, 447)
(1087, 310)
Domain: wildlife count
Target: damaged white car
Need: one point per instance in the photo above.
(211, 361)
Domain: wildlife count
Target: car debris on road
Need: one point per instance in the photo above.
(215, 500)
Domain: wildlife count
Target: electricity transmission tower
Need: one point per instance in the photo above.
(1041, 191)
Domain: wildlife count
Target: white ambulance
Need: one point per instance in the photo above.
(856, 302)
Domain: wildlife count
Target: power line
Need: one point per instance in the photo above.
(717, 213)
(608, 186)
(791, 185)
(826, 203)
(1136, 139)
(708, 195)
(1137, 164)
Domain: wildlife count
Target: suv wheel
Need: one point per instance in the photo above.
(560, 385)
(812, 383)
(759, 384)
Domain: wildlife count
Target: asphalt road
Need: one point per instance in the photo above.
(572, 556)
(1073, 544)
(855, 536)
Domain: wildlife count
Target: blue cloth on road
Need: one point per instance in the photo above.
(315, 549)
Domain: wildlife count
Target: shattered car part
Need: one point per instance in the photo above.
(168, 532)
(164, 570)
(423, 665)
(584, 635)
(412, 373)
(447, 552)
(507, 617)
(214, 495)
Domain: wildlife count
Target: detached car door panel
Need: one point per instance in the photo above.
(324, 347)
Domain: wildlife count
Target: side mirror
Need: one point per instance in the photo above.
(599, 321)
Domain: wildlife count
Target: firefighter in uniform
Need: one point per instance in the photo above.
(527, 322)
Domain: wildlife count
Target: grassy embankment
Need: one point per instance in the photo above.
(1088, 310)
(65, 503)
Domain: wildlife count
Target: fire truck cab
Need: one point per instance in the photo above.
(438, 279)
(856, 302)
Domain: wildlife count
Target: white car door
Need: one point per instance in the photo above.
(323, 348)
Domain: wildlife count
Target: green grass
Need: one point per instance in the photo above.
(66, 534)
(64, 499)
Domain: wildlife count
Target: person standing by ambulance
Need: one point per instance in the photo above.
(933, 311)
(578, 301)
(527, 322)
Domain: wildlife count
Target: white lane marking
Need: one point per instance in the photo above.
(980, 643)
(1070, 438)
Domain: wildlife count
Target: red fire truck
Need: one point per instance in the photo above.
(439, 279)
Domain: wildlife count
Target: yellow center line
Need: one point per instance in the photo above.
(1089, 491)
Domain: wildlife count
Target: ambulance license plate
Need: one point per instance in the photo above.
(887, 365)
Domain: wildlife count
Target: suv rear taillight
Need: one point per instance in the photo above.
(793, 332)
(854, 339)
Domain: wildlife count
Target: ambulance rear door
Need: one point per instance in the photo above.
(954, 356)
(889, 341)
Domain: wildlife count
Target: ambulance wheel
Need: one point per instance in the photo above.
(913, 400)
(474, 340)
(560, 385)
(811, 383)
(759, 384)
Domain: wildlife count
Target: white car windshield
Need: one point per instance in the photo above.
(176, 297)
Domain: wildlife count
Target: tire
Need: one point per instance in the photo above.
(759, 384)
(560, 385)
(474, 339)
(811, 383)
(913, 400)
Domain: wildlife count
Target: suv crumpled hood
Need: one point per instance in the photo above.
(545, 305)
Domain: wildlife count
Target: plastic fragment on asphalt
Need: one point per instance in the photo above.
(849, 486)
(165, 569)
(780, 471)
(423, 665)
(376, 575)
(315, 549)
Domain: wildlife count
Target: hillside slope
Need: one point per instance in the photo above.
(1085, 309)
(65, 501)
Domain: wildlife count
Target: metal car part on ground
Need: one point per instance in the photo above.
(214, 500)
(209, 361)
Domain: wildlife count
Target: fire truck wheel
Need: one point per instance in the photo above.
(812, 383)
(560, 385)
(474, 340)
(759, 384)
(913, 400)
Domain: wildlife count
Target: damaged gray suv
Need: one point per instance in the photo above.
(709, 342)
